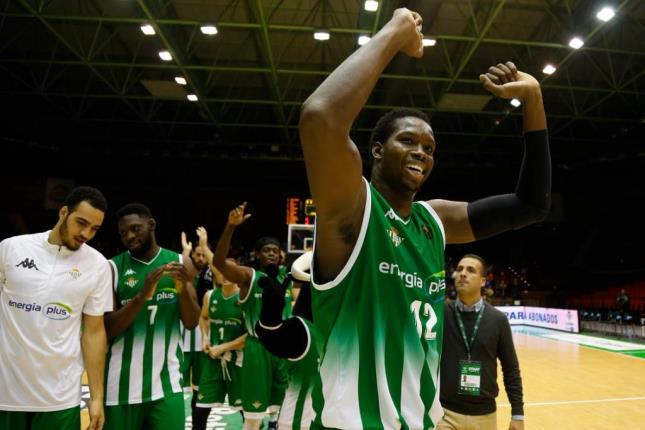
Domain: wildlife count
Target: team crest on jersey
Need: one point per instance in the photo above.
(131, 281)
(212, 308)
(75, 273)
(397, 240)
(130, 272)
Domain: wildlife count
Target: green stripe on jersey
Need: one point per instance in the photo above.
(382, 324)
(143, 363)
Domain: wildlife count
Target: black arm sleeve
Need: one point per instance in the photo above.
(289, 340)
(532, 198)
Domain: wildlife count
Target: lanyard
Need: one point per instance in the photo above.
(468, 344)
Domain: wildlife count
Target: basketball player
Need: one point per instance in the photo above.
(264, 376)
(153, 292)
(192, 339)
(378, 267)
(224, 335)
(296, 412)
(49, 283)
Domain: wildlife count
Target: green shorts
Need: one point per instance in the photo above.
(264, 379)
(66, 419)
(219, 378)
(163, 414)
(191, 368)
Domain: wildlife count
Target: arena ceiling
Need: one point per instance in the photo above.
(80, 77)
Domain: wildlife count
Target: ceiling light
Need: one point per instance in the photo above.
(429, 42)
(180, 80)
(371, 5)
(192, 97)
(148, 30)
(362, 40)
(576, 43)
(321, 35)
(548, 69)
(165, 55)
(515, 102)
(605, 14)
(208, 29)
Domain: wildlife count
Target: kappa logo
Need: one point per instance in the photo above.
(129, 272)
(392, 215)
(28, 263)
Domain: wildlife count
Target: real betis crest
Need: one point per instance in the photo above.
(131, 281)
(75, 273)
(394, 236)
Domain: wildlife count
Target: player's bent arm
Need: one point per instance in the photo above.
(118, 321)
(291, 339)
(241, 275)
(94, 349)
(189, 309)
(204, 321)
(234, 344)
(530, 203)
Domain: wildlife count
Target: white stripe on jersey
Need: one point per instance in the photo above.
(135, 392)
(339, 376)
(173, 362)
(158, 346)
(308, 413)
(288, 408)
(433, 359)
(387, 409)
(412, 407)
(114, 373)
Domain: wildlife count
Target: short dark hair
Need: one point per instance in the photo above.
(385, 125)
(266, 240)
(86, 194)
(134, 209)
(481, 260)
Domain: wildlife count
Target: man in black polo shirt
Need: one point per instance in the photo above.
(475, 336)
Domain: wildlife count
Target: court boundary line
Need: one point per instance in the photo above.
(574, 402)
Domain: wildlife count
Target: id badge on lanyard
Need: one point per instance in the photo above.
(469, 377)
(469, 370)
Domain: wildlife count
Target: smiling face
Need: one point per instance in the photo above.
(136, 233)
(406, 158)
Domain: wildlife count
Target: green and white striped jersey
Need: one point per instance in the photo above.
(381, 320)
(252, 303)
(226, 321)
(143, 363)
(296, 412)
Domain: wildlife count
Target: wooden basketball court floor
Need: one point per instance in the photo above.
(566, 386)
